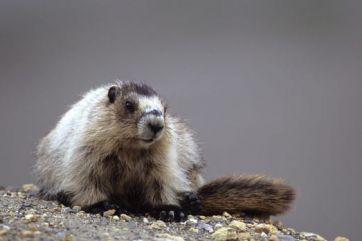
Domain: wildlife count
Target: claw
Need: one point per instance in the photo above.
(169, 213)
(163, 215)
(171, 216)
(182, 216)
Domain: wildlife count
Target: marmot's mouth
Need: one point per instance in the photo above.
(147, 140)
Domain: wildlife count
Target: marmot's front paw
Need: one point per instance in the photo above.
(101, 207)
(169, 213)
(191, 203)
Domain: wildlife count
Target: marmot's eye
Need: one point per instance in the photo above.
(129, 106)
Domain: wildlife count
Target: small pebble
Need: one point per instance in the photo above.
(218, 225)
(191, 221)
(145, 220)
(27, 234)
(81, 213)
(226, 215)
(29, 188)
(158, 225)
(3, 226)
(31, 217)
(239, 226)
(206, 227)
(218, 218)
(320, 238)
(314, 236)
(273, 238)
(125, 217)
(61, 235)
(70, 237)
(168, 237)
(339, 238)
(306, 235)
(77, 209)
(286, 238)
(115, 217)
(266, 228)
(224, 234)
(66, 237)
(3, 232)
(109, 212)
(278, 224)
(194, 230)
(244, 236)
(67, 210)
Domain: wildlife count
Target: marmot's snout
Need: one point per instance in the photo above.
(156, 128)
(151, 126)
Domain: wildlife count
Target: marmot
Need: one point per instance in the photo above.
(119, 147)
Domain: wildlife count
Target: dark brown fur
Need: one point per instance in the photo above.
(248, 194)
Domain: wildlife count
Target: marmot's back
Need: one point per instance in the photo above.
(60, 145)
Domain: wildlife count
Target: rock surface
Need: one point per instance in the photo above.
(24, 217)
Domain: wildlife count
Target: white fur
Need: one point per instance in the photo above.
(62, 147)
(149, 103)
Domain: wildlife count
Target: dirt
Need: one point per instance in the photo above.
(23, 216)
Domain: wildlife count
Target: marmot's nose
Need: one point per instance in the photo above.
(155, 127)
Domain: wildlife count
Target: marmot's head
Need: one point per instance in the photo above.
(140, 112)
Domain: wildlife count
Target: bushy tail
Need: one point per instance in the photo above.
(257, 195)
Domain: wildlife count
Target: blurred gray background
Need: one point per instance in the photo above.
(271, 87)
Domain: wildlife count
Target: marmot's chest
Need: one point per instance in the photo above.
(136, 183)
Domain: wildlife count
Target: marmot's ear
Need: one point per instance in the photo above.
(113, 92)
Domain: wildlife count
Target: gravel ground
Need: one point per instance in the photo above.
(24, 217)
